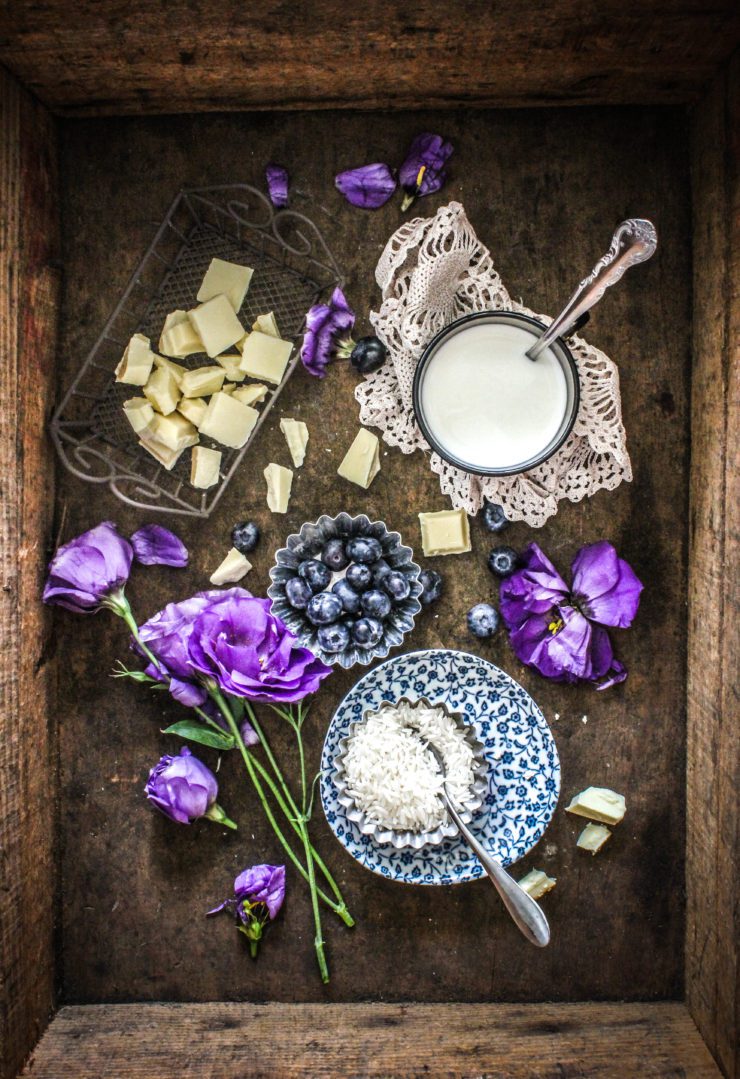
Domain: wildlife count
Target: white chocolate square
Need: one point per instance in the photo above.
(265, 357)
(179, 337)
(251, 394)
(593, 837)
(205, 465)
(266, 324)
(167, 458)
(600, 804)
(232, 569)
(173, 431)
(162, 391)
(445, 532)
(136, 363)
(228, 421)
(193, 409)
(228, 279)
(216, 325)
(279, 483)
(537, 883)
(139, 413)
(296, 435)
(361, 463)
(202, 381)
(176, 369)
(230, 361)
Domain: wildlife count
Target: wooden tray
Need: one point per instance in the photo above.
(101, 902)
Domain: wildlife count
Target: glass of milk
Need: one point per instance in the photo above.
(483, 405)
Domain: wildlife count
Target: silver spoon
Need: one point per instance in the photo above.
(634, 241)
(525, 911)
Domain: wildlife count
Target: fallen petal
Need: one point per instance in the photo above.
(367, 187)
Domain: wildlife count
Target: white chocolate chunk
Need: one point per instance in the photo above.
(216, 324)
(265, 357)
(167, 458)
(537, 883)
(173, 431)
(296, 435)
(227, 278)
(136, 363)
(593, 837)
(266, 324)
(600, 804)
(205, 465)
(176, 369)
(361, 463)
(202, 381)
(230, 362)
(139, 413)
(162, 391)
(232, 569)
(193, 409)
(179, 337)
(279, 482)
(251, 394)
(228, 421)
(446, 532)
(228, 387)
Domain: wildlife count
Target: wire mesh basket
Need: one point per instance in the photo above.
(293, 269)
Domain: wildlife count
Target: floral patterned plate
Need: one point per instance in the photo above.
(524, 767)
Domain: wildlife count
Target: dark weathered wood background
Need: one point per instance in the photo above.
(543, 190)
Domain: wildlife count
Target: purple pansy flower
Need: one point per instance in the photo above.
(277, 184)
(368, 187)
(184, 789)
(259, 892)
(156, 546)
(325, 326)
(560, 631)
(422, 173)
(85, 572)
(250, 653)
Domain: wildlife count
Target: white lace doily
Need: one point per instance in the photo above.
(432, 271)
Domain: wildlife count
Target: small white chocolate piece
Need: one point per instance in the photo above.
(593, 837)
(537, 883)
(227, 278)
(279, 482)
(176, 369)
(228, 421)
(600, 804)
(232, 569)
(296, 435)
(445, 532)
(136, 363)
(265, 357)
(193, 409)
(202, 381)
(179, 337)
(361, 463)
(251, 394)
(228, 387)
(173, 431)
(139, 413)
(216, 324)
(167, 458)
(205, 465)
(266, 324)
(230, 362)
(162, 391)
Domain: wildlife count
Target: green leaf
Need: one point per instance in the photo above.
(196, 732)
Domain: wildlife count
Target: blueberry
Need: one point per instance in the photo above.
(502, 561)
(316, 575)
(245, 536)
(323, 608)
(381, 569)
(365, 549)
(334, 555)
(483, 620)
(396, 585)
(297, 593)
(493, 517)
(359, 576)
(431, 586)
(333, 638)
(367, 632)
(349, 599)
(368, 355)
(375, 604)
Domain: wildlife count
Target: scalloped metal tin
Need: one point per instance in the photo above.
(306, 544)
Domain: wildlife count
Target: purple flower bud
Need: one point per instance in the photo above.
(248, 733)
(367, 187)
(182, 787)
(85, 571)
(325, 325)
(277, 184)
(156, 546)
(422, 173)
(262, 884)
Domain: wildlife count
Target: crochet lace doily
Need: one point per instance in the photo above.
(432, 271)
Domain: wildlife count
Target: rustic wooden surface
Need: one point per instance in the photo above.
(29, 281)
(713, 878)
(113, 57)
(236, 1041)
(135, 886)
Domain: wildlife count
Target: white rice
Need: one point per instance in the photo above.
(394, 778)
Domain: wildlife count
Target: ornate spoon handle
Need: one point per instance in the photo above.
(634, 241)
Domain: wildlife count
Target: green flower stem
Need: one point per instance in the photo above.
(121, 606)
(318, 940)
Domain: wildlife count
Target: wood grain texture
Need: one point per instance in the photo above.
(132, 56)
(713, 830)
(28, 320)
(136, 886)
(237, 1041)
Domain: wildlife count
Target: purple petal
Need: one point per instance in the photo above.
(533, 589)
(277, 184)
(429, 152)
(367, 187)
(157, 546)
(556, 644)
(605, 587)
(617, 673)
(326, 326)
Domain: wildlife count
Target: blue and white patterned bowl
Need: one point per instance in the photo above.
(523, 765)
(306, 544)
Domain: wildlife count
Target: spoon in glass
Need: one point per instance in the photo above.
(525, 911)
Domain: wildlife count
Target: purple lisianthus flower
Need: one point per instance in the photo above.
(259, 892)
(368, 187)
(605, 587)
(277, 184)
(533, 589)
(156, 546)
(85, 573)
(184, 789)
(422, 173)
(326, 324)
